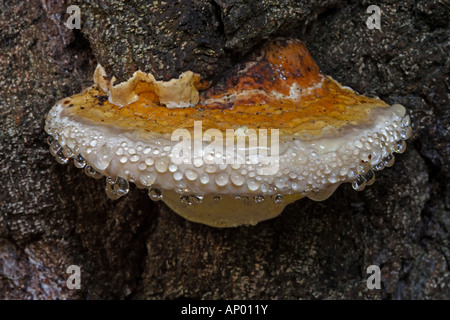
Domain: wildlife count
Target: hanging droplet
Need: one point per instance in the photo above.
(379, 166)
(406, 121)
(216, 199)
(195, 199)
(184, 200)
(155, 194)
(259, 199)
(389, 161)
(121, 186)
(68, 153)
(54, 147)
(79, 161)
(369, 177)
(109, 189)
(406, 133)
(400, 146)
(359, 183)
(91, 172)
(278, 199)
(245, 199)
(49, 140)
(60, 157)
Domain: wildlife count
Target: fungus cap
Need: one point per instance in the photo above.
(273, 130)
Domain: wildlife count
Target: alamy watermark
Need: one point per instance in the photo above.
(241, 146)
(74, 280)
(374, 280)
(374, 20)
(74, 20)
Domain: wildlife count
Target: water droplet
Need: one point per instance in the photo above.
(79, 161)
(406, 121)
(178, 175)
(359, 183)
(198, 162)
(369, 177)
(400, 146)
(119, 151)
(142, 166)
(161, 165)
(253, 185)
(191, 175)
(109, 189)
(49, 140)
(236, 166)
(343, 171)
(121, 186)
(61, 158)
(259, 199)
(101, 162)
(216, 199)
(148, 179)
(280, 183)
(221, 179)
(389, 161)
(195, 199)
(204, 179)
(333, 178)
(54, 147)
(379, 166)
(155, 194)
(375, 156)
(182, 189)
(210, 168)
(278, 199)
(116, 188)
(184, 200)
(245, 199)
(68, 153)
(123, 159)
(406, 133)
(134, 158)
(237, 179)
(264, 187)
(91, 172)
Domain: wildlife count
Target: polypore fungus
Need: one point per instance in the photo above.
(274, 130)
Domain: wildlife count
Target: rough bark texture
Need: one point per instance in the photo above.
(53, 216)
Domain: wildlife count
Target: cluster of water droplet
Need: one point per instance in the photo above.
(303, 168)
(64, 154)
(187, 200)
(367, 178)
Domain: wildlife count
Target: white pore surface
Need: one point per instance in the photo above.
(312, 167)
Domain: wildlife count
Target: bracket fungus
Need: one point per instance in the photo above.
(273, 130)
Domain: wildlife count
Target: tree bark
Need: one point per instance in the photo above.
(54, 216)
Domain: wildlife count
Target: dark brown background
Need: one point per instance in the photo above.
(52, 216)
